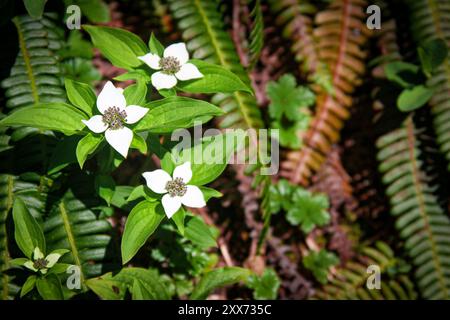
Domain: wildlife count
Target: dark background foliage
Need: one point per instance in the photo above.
(383, 172)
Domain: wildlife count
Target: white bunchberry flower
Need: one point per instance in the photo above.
(41, 263)
(175, 189)
(114, 115)
(174, 66)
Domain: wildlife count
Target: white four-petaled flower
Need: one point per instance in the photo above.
(173, 64)
(41, 263)
(114, 115)
(175, 189)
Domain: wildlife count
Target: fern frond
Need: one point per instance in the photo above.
(203, 30)
(256, 33)
(34, 77)
(67, 213)
(28, 189)
(351, 281)
(294, 18)
(421, 221)
(341, 36)
(432, 20)
(5, 206)
(72, 223)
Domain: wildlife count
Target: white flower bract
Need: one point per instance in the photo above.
(115, 114)
(176, 190)
(39, 263)
(173, 64)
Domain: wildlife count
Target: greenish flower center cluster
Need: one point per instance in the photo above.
(176, 187)
(114, 118)
(40, 263)
(169, 65)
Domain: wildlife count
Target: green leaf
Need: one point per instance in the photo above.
(81, 70)
(139, 143)
(76, 46)
(105, 185)
(178, 219)
(108, 160)
(140, 192)
(290, 131)
(199, 233)
(49, 116)
(28, 285)
(135, 94)
(59, 268)
(107, 288)
(319, 263)
(287, 99)
(63, 154)
(403, 73)
(60, 251)
(155, 46)
(264, 287)
(209, 193)
(280, 196)
(18, 262)
(167, 161)
(414, 98)
(87, 146)
(169, 114)
(219, 278)
(166, 93)
(138, 291)
(143, 284)
(27, 232)
(119, 46)
(95, 10)
(141, 223)
(50, 287)
(215, 79)
(138, 75)
(35, 8)
(308, 210)
(432, 54)
(81, 95)
(120, 196)
(210, 157)
(288, 110)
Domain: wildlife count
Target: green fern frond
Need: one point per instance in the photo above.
(35, 75)
(5, 206)
(256, 33)
(29, 189)
(73, 223)
(203, 30)
(421, 221)
(431, 21)
(350, 282)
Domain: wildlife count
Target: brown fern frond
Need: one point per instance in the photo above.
(334, 180)
(297, 26)
(341, 36)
